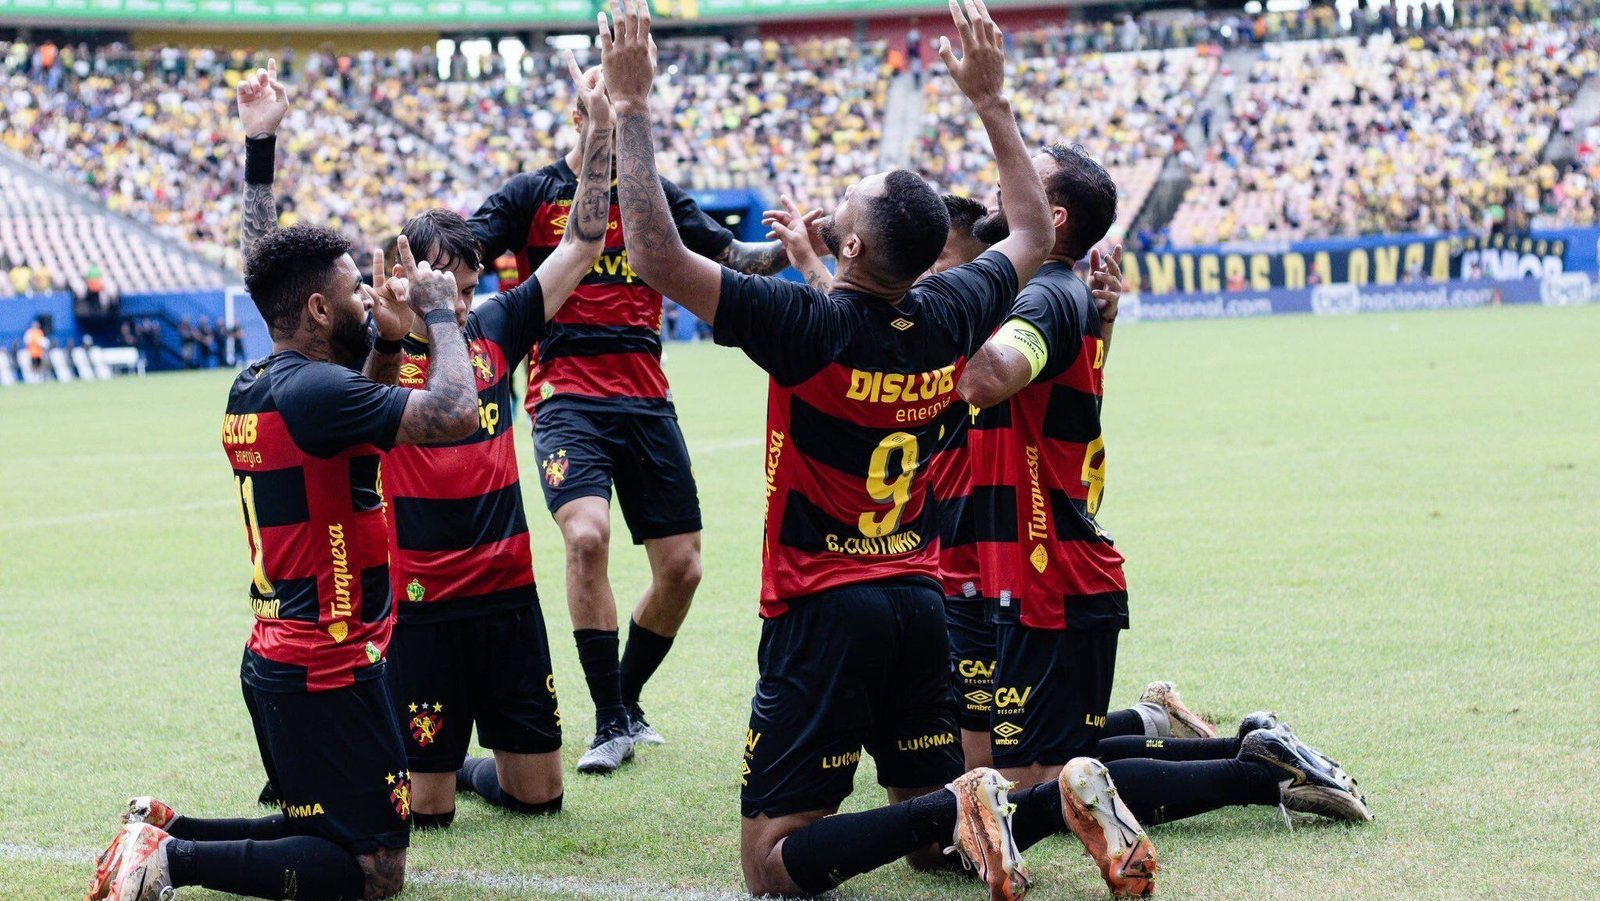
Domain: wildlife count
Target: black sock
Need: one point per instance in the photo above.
(425, 822)
(1125, 722)
(1160, 791)
(824, 854)
(195, 829)
(640, 658)
(1129, 746)
(597, 652)
(304, 867)
(478, 776)
(1038, 814)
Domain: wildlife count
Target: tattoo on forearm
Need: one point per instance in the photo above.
(766, 258)
(385, 872)
(450, 388)
(645, 217)
(592, 207)
(382, 368)
(260, 215)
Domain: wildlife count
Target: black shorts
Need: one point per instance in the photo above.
(491, 670)
(581, 453)
(1052, 691)
(861, 666)
(337, 761)
(971, 660)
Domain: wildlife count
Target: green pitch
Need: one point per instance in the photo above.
(1384, 527)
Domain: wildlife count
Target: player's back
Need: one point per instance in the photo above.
(855, 412)
(304, 439)
(1043, 477)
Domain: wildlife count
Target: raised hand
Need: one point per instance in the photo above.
(1105, 281)
(590, 87)
(628, 52)
(980, 72)
(795, 229)
(430, 289)
(391, 311)
(262, 101)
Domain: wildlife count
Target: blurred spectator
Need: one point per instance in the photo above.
(37, 343)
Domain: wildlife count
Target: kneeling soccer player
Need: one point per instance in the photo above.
(1060, 596)
(853, 647)
(304, 435)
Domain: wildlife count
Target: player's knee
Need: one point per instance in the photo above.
(587, 542)
(385, 872)
(681, 574)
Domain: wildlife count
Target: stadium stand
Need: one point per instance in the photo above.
(1441, 131)
(1126, 109)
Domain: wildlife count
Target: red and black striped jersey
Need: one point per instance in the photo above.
(603, 350)
(856, 399)
(304, 440)
(967, 430)
(1038, 482)
(458, 534)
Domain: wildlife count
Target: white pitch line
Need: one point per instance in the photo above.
(568, 887)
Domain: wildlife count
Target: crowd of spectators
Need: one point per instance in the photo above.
(1437, 131)
(1402, 124)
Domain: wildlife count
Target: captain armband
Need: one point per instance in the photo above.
(1021, 336)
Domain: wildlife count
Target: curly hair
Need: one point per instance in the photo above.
(288, 265)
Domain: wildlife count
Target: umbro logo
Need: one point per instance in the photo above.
(1008, 730)
(902, 324)
(980, 698)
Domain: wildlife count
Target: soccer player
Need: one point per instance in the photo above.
(853, 650)
(1060, 595)
(470, 644)
(603, 416)
(304, 434)
(1160, 714)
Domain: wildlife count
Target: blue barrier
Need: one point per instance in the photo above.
(1335, 300)
(17, 313)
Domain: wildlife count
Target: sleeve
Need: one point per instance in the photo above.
(789, 329)
(1048, 309)
(981, 292)
(327, 408)
(501, 223)
(700, 233)
(512, 319)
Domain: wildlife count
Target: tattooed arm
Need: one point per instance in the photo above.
(755, 258)
(655, 250)
(590, 214)
(447, 410)
(262, 104)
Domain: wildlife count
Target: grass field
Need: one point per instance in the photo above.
(1385, 527)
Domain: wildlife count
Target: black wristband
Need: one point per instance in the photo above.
(385, 346)
(439, 317)
(260, 159)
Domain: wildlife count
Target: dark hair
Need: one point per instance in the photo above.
(444, 239)
(910, 224)
(1082, 188)
(288, 265)
(964, 213)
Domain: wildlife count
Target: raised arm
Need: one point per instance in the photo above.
(447, 410)
(262, 104)
(656, 252)
(980, 72)
(755, 257)
(797, 234)
(585, 236)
